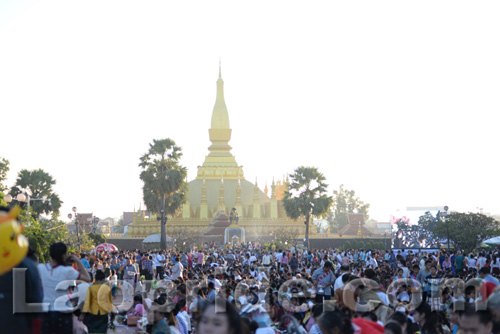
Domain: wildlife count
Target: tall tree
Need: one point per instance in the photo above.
(427, 223)
(345, 202)
(43, 233)
(4, 169)
(165, 185)
(467, 230)
(40, 183)
(306, 196)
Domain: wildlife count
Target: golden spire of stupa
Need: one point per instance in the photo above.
(220, 161)
(220, 116)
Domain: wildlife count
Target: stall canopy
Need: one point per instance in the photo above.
(155, 238)
(492, 241)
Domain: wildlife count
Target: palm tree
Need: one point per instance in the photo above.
(306, 196)
(164, 180)
(40, 184)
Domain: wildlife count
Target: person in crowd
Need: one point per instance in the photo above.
(129, 273)
(156, 316)
(177, 269)
(475, 321)
(98, 304)
(24, 321)
(427, 319)
(225, 321)
(323, 279)
(159, 260)
(334, 323)
(58, 318)
(148, 268)
(484, 273)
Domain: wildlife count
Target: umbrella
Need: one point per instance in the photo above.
(104, 248)
(492, 241)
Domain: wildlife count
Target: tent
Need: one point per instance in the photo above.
(492, 241)
(155, 238)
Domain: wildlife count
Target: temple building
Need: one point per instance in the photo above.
(219, 187)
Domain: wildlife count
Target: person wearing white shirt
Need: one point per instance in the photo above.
(481, 261)
(177, 269)
(422, 263)
(261, 276)
(56, 271)
(383, 297)
(402, 295)
(372, 263)
(278, 256)
(472, 261)
(338, 282)
(266, 259)
(159, 260)
(217, 283)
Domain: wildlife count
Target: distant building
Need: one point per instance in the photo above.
(87, 222)
(379, 227)
(356, 226)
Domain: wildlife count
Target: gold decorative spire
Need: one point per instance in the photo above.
(220, 161)
(273, 190)
(220, 116)
(222, 206)
(256, 198)
(360, 234)
(204, 193)
(238, 193)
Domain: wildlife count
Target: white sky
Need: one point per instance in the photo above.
(397, 100)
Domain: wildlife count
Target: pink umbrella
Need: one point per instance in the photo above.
(104, 248)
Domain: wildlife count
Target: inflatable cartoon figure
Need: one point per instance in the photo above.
(13, 245)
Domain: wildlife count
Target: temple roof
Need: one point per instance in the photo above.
(352, 227)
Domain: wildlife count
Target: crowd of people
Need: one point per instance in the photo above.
(250, 289)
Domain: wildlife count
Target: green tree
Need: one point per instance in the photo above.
(4, 169)
(165, 185)
(467, 230)
(85, 243)
(345, 202)
(288, 236)
(427, 223)
(41, 185)
(97, 238)
(43, 233)
(306, 196)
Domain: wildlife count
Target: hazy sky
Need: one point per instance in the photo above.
(396, 100)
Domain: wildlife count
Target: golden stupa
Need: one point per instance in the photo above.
(219, 187)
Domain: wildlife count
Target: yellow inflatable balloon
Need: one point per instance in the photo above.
(13, 245)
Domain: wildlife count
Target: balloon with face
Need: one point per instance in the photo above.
(13, 245)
